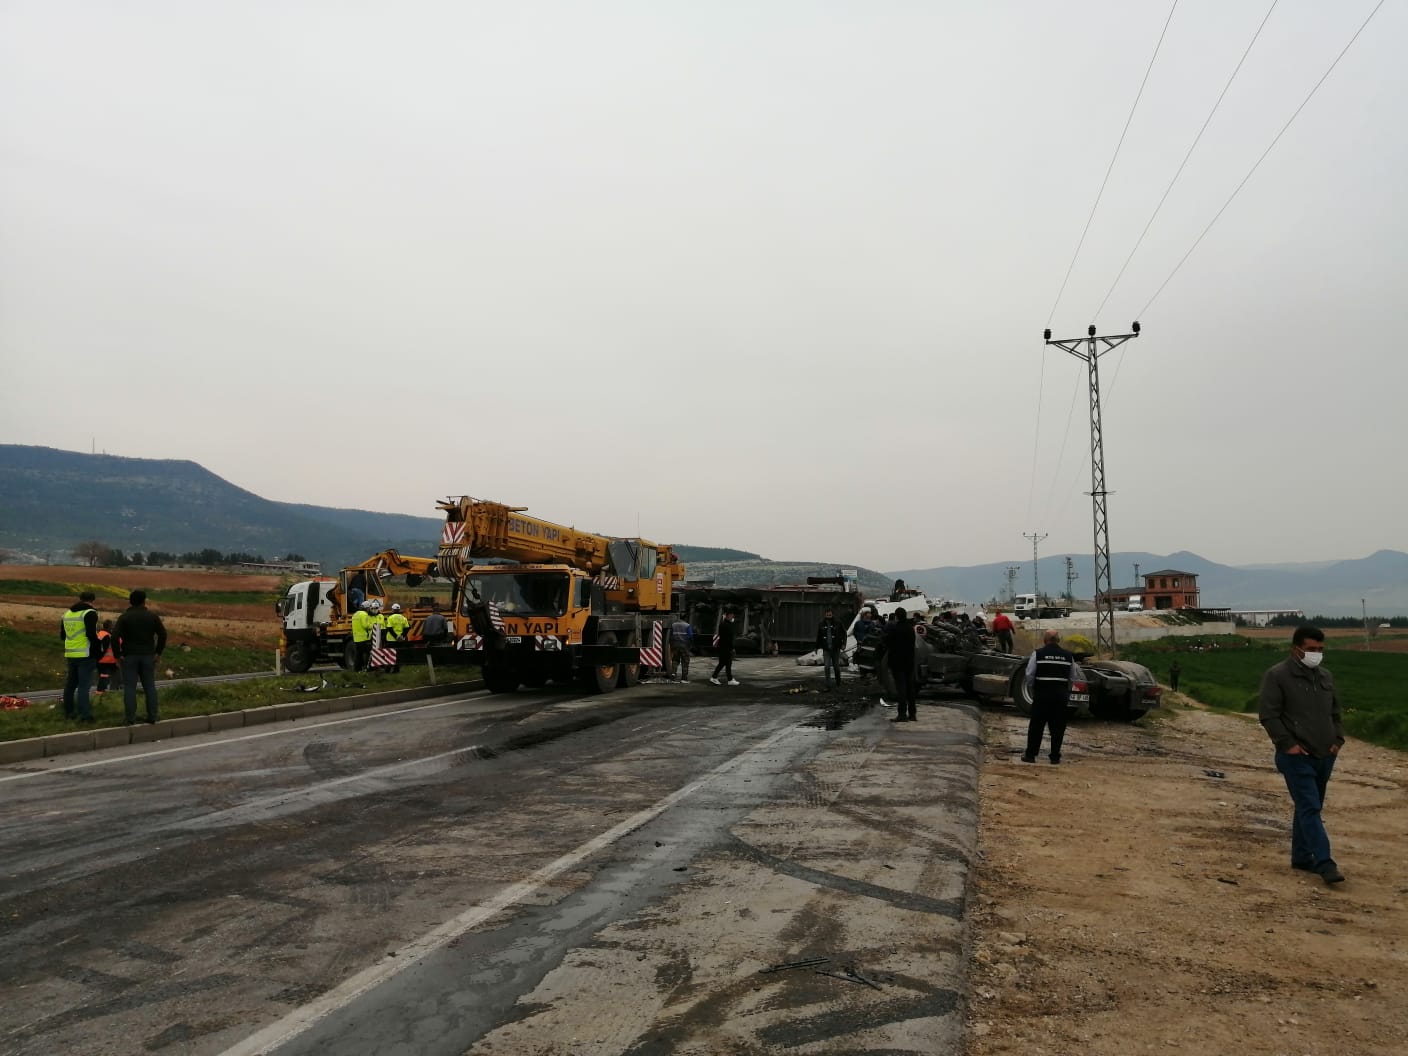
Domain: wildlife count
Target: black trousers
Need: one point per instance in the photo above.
(905, 689)
(1046, 714)
(726, 666)
(364, 654)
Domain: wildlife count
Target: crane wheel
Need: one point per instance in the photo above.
(603, 678)
(630, 673)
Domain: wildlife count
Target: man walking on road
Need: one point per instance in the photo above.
(141, 638)
(899, 655)
(1002, 627)
(78, 630)
(724, 638)
(1051, 672)
(831, 639)
(1300, 711)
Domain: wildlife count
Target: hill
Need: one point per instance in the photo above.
(1330, 588)
(57, 499)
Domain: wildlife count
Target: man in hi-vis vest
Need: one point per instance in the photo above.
(78, 630)
(1051, 672)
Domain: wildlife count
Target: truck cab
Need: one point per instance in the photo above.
(1024, 606)
(1135, 603)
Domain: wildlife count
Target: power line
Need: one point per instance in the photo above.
(1182, 165)
(1111, 167)
(1264, 153)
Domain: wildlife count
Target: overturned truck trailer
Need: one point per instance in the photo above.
(769, 620)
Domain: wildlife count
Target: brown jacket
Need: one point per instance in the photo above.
(1299, 706)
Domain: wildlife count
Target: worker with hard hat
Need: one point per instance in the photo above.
(362, 624)
(397, 627)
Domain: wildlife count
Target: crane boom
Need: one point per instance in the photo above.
(478, 528)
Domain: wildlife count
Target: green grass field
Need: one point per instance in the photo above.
(46, 717)
(31, 660)
(1373, 686)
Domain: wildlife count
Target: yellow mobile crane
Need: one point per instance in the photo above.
(316, 614)
(537, 601)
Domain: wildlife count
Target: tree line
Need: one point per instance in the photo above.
(99, 554)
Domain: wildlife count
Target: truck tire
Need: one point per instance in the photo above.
(298, 658)
(348, 660)
(603, 677)
(500, 679)
(1020, 696)
(630, 673)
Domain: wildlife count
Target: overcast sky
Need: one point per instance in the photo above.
(770, 275)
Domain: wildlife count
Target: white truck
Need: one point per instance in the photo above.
(1032, 607)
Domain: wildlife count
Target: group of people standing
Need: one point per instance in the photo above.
(128, 648)
(371, 626)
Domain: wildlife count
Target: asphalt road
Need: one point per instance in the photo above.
(534, 873)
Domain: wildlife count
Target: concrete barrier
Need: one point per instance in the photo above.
(189, 725)
(146, 732)
(63, 743)
(22, 750)
(113, 736)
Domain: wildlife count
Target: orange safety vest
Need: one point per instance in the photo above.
(105, 657)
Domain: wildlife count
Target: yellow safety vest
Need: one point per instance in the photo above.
(396, 625)
(362, 626)
(76, 644)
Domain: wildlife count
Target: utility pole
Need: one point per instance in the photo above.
(1012, 571)
(1095, 347)
(1071, 576)
(1136, 575)
(1036, 586)
(1364, 608)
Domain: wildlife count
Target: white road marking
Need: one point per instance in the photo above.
(302, 1019)
(281, 731)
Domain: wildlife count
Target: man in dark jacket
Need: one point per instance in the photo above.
(1051, 671)
(78, 630)
(724, 638)
(1300, 711)
(831, 639)
(899, 655)
(141, 640)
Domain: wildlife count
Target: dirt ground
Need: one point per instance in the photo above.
(142, 577)
(1139, 897)
(238, 625)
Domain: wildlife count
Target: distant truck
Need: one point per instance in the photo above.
(1135, 603)
(1033, 607)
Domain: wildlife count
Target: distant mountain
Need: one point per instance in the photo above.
(54, 500)
(1330, 588)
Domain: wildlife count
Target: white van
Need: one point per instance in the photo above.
(1135, 603)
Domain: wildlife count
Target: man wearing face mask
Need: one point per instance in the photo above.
(1301, 713)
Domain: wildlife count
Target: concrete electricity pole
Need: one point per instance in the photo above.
(1012, 571)
(1071, 576)
(1136, 575)
(1104, 607)
(1036, 586)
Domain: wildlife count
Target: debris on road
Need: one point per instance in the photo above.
(786, 966)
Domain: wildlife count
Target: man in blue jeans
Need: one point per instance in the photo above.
(1301, 713)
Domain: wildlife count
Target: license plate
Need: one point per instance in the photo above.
(514, 639)
(1080, 698)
